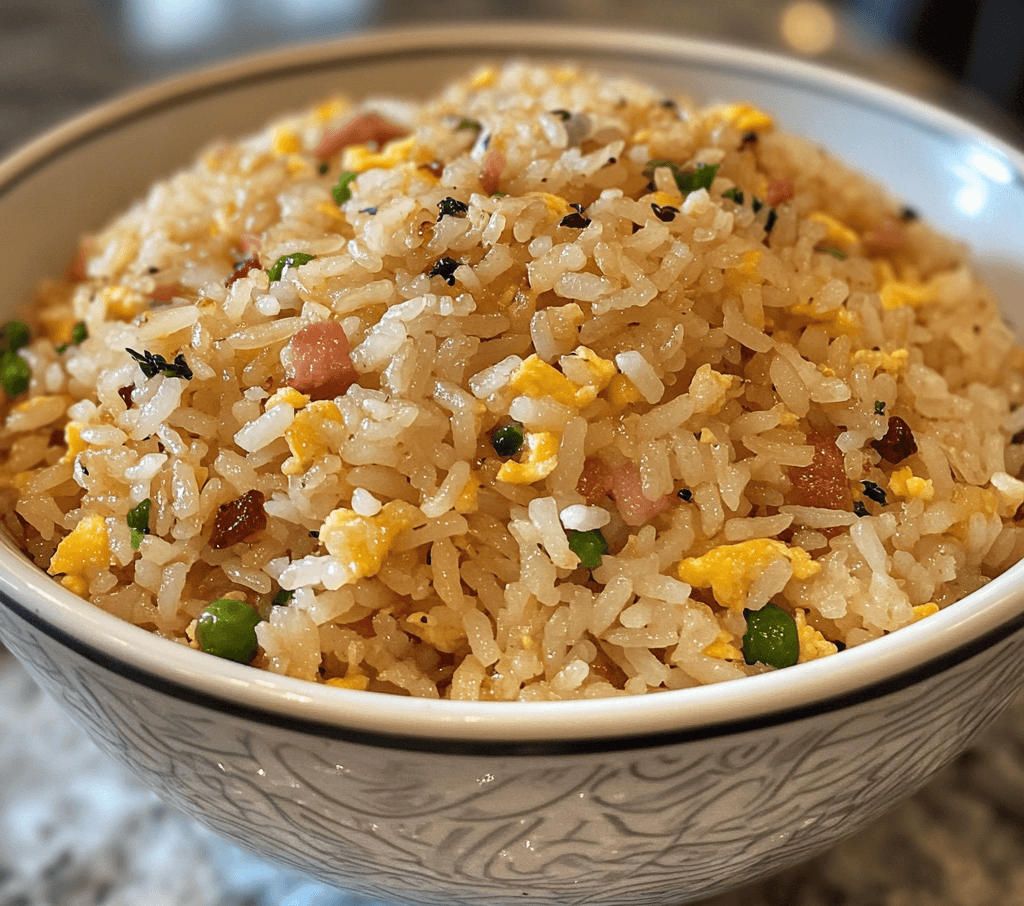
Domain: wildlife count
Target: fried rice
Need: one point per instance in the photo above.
(552, 386)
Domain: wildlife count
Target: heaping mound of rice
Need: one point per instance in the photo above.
(565, 390)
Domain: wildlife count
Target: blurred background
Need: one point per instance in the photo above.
(57, 56)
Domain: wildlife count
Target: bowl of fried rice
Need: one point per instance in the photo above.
(517, 463)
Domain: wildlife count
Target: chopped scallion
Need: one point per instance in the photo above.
(295, 259)
(508, 439)
(342, 192)
(838, 254)
(589, 547)
(152, 364)
(138, 522)
(283, 596)
(700, 177)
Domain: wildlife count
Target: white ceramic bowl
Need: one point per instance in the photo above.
(658, 799)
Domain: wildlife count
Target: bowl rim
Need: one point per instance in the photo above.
(882, 667)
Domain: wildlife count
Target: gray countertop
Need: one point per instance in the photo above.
(77, 829)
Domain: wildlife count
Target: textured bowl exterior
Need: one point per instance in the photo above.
(646, 822)
(655, 801)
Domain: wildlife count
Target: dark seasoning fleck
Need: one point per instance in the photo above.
(445, 268)
(152, 364)
(874, 492)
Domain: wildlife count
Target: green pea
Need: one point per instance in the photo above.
(507, 439)
(227, 628)
(771, 637)
(15, 374)
(589, 547)
(15, 335)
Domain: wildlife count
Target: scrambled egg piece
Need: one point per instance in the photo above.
(744, 117)
(786, 418)
(441, 627)
(904, 483)
(730, 570)
(483, 78)
(305, 436)
(330, 109)
(838, 231)
(351, 681)
(541, 459)
(895, 294)
(467, 500)
(622, 392)
(723, 647)
(331, 210)
(536, 379)
(925, 610)
(73, 438)
(840, 319)
(87, 547)
(359, 158)
(812, 643)
(555, 204)
(286, 141)
(601, 371)
(709, 388)
(122, 302)
(895, 362)
(663, 199)
(746, 272)
(362, 542)
(288, 395)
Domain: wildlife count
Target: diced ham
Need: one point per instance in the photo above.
(595, 481)
(898, 442)
(77, 272)
(318, 361)
(889, 236)
(240, 520)
(249, 242)
(780, 189)
(367, 127)
(823, 483)
(490, 172)
(243, 269)
(166, 292)
(627, 489)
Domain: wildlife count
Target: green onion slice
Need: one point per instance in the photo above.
(589, 547)
(342, 192)
(295, 259)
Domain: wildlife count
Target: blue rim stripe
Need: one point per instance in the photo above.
(521, 747)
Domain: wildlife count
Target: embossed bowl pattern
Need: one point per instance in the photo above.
(661, 799)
